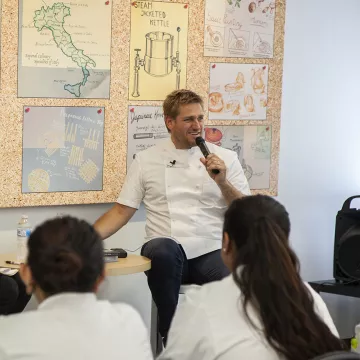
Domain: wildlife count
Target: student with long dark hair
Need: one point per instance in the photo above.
(64, 269)
(263, 310)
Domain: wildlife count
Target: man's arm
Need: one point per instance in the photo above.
(230, 193)
(228, 190)
(113, 220)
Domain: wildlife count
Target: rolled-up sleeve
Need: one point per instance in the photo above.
(133, 191)
(237, 177)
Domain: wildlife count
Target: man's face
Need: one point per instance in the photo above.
(187, 126)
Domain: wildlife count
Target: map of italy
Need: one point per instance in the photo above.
(53, 19)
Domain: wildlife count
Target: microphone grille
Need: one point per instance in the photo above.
(199, 140)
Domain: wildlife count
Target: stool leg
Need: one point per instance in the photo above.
(155, 338)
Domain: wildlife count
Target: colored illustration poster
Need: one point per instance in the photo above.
(63, 149)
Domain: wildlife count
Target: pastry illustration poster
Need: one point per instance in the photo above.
(238, 91)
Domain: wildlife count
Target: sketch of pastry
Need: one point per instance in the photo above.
(88, 171)
(252, 7)
(213, 135)
(248, 171)
(92, 141)
(249, 103)
(70, 132)
(262, 43)
(262, 145)
(39, 181)
(234, 106)
(235, 3)
(216, 102)
(237, 149)
(237, 85)
(272, 7)
(50, 141)
(216, 37)
(238, 39)
(257, 81)
(263, 102)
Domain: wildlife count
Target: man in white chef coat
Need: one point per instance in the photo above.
(184, 201)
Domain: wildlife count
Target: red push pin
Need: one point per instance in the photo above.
(27, 110)
(99, 111)
(107, 2)
(213, 66)
(186, 6)
(132, 110)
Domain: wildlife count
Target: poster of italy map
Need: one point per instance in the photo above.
(64, 49)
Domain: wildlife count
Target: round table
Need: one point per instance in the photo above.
(132, 264)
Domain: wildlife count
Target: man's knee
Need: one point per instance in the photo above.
(162, 250)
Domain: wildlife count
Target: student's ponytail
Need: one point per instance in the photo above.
(267, 272)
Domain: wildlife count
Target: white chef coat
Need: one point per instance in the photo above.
(181, 200)
(211, 324)
(74, 326)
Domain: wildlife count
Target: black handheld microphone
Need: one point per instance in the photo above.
(200, 142)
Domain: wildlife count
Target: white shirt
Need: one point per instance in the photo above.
(75, 327)
(181, 200)
(211, 324)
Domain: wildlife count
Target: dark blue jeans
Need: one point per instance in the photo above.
(170, 268)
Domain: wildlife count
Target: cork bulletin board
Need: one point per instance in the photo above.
(111, 111)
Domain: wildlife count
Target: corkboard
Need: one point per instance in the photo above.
(115, 135)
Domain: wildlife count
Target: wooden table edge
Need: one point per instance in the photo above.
(110, 268)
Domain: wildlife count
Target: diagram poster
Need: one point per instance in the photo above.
(63, 149)
(239, 28)
(238, 91)
(158, 49)
(146, 127)
(253, 147)
(64, 49)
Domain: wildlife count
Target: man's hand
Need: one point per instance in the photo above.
(214, 162)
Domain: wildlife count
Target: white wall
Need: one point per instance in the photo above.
(319, 166)
(320, 147)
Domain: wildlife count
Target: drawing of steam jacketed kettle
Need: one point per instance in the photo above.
(159, 60)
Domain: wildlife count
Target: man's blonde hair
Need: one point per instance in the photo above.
(173, 101)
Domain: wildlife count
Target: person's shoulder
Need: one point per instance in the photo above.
(319, 303)
(11, 325)
(210, 292)
(127, 312)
